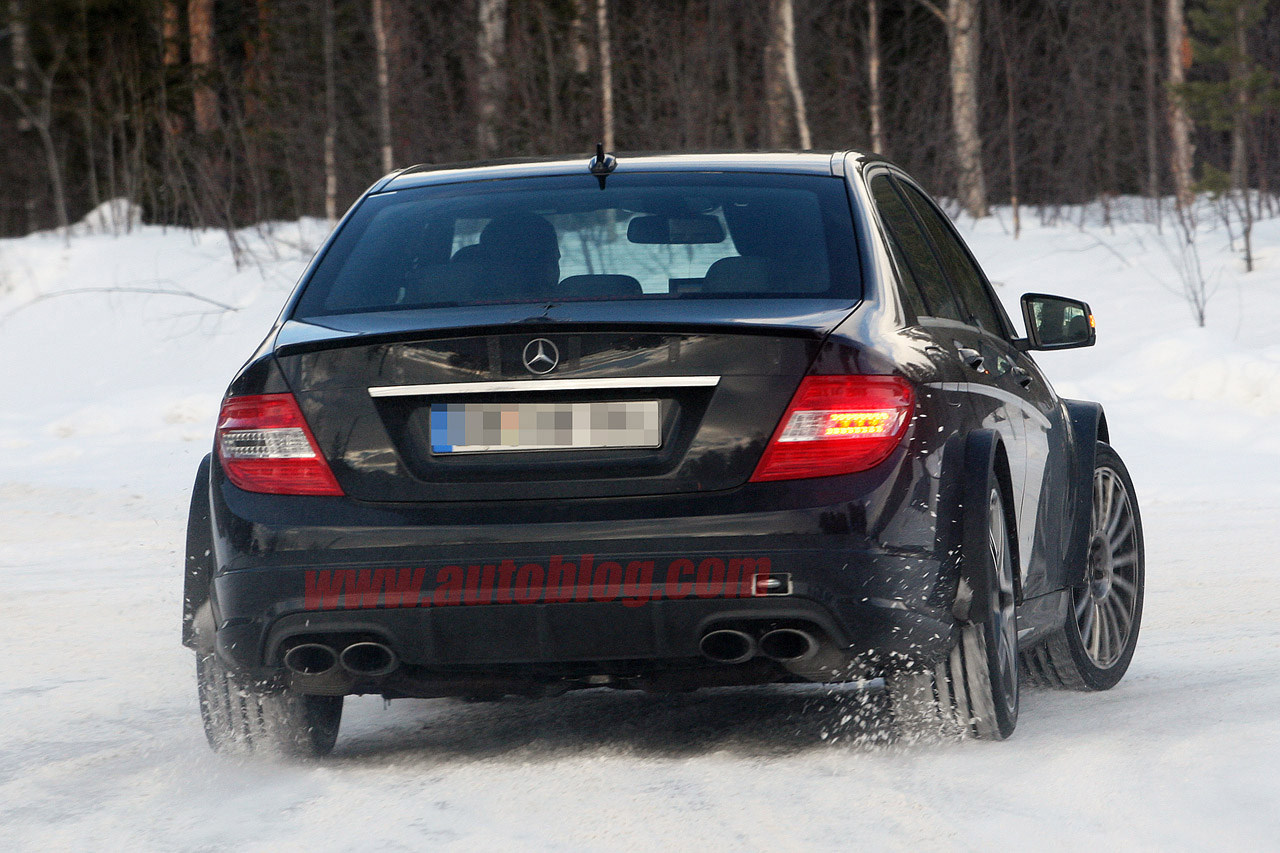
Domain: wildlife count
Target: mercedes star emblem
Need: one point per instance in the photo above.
(541, 356)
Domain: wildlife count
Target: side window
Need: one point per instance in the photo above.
(960, 269)
(892, 213)
(926, 290)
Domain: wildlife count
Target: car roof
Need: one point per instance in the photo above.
(796, 162)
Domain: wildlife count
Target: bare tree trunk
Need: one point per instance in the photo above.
(965, 36)
(39, 116)
(793, 75)
(18, 36)
(1240, 136)
(204, 99)
(1179, 59)
(246, 121)
(171, 32)
(330, 118)
(777, 131)
(606, 74)
(1240, 117)
(580, 39)
(784, 97)
(42, 126)
(491, 85)
(384, 85)
(554, 124)
(256, 76)
(873, 77)
(736, 129)
(1152, 107)
(1264, 189)
(1011, 126)
(87, 111)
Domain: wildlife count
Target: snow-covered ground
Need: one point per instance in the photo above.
(107, 401)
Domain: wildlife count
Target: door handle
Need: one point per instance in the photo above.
(971, 357)
(1024, 377)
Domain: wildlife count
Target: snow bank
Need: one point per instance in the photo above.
(116, 216)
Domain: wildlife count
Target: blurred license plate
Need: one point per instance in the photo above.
(488, 427)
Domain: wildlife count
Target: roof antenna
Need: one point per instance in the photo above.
(602, 165)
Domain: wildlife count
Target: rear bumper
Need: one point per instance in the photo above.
(260, 611)
(519, 593)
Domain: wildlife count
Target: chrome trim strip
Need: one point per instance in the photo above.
(638, 383)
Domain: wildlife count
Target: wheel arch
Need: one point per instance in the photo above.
(1088, 426)
(984, 457)
(198, 565)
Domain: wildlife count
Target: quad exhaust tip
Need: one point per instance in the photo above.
(787, 645)
(310, 659)
(369, 659)
(728, 646)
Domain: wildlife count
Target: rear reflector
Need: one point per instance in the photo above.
(837, 425)
(265, 446)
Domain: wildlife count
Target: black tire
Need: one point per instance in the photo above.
(1095, 645)
(242, 717)
(975, 690)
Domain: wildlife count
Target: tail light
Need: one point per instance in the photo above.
(837, 425)
(265, 446)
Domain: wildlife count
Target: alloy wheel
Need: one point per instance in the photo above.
(1105, 605)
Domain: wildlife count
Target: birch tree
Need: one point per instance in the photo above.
(606, 74)
(491, 83)
(961, 20)
(965, 38)
(18, 54)
(580, 38)
(873, 77)
(384, 85)
(784, 97)
(330, 116)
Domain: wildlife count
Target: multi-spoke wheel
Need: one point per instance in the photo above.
(974, 691)
(1000, 629)
(1094, 647)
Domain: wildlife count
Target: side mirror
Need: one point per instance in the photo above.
(1056, 322)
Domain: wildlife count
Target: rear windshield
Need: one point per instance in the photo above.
(559, 239)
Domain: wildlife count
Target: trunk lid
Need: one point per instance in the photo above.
(720, 370)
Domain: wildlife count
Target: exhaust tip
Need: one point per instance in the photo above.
(788, 644)
(310, 659)
(369, 659)
(728, 646)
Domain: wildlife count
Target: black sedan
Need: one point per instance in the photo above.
(654, 423)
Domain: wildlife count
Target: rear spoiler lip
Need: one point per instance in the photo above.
(296, 337)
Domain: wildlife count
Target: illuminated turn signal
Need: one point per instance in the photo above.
(837, 425)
